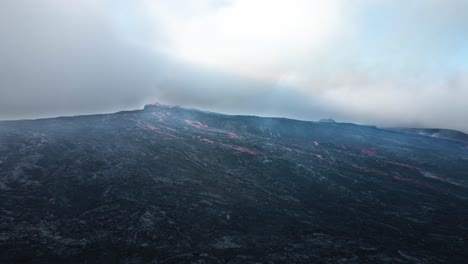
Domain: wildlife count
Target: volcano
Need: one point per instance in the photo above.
(167, 184)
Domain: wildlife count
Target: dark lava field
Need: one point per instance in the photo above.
(174, 185)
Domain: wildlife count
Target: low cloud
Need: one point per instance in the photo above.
(390, 63)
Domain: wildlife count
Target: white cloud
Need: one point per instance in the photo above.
(256, 37)
(369, 61)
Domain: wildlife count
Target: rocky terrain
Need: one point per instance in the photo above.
(173, 185)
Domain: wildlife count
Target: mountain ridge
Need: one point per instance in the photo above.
(447, 134)
(174, 185)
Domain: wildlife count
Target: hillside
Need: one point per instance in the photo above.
(174, 185)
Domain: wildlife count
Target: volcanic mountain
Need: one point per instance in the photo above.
(174, 185)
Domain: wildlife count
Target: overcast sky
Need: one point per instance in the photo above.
(389, 63)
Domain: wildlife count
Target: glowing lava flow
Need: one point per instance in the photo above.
(318, 156)
(150, 127)
(200, 125)
(169, 135)
(196, 124)
(207, 140)
(331, 163)
(377, 172)
(432, 176)
(233, 135)
(245, 150)
(368, 151)
(157, 130)
(364, 151)
(385, 163)
(398, 178)
(238, 148)
(367, 170)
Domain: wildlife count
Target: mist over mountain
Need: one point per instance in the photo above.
(387, 63)
(448, 134)
(169, 184)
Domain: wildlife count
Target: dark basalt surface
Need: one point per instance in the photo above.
(173, 185)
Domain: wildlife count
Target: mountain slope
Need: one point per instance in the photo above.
(173, 185)
(448, 134)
